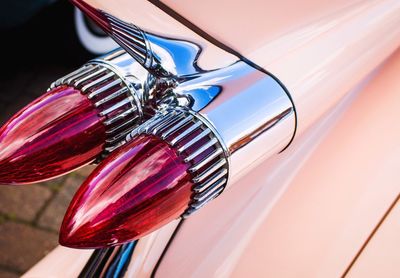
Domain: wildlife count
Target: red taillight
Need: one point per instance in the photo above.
(85, 115)
(134, 191)
(53, 135)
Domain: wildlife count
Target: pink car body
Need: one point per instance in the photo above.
(326, 206)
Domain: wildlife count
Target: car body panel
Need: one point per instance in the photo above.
(318, 49)
(307, 213)
(155, 21)
(380, 257)
(309, 210)
(61, 262)
(308, 219)
(318, 54)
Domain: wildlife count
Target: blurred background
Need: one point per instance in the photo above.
(42, 40)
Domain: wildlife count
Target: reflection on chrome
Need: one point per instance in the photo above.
(247, 110)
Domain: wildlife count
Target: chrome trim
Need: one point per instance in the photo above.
(133, 39)
(114, 83)
(210, 173)
(157, 52)
(247, 110)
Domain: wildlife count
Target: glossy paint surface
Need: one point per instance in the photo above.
(381, 255)
(153, 20)
(329, 216)
(137, 189)
(51, 136)
(148, 251)
(318, 49)
(62, 262)
(308, 211)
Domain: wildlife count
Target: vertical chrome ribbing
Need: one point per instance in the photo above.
(131, 38)
(116, 101)
(196, 142)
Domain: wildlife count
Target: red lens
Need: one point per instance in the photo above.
(51, 136)
(137, 189)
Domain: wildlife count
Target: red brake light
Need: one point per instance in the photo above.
(49, 137)
(134, 191)
(85, 115)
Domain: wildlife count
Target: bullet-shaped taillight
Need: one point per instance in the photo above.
(81, 117)
(172, 167)
(51, 136)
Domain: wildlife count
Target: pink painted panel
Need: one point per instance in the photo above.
(381, 256)
(313, 210)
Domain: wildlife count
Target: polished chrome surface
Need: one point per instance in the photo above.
(109, 262)
(115, 84)
(170, 61)
(155, 53)
(175, 125)
(158, 52)
(132, 38)
(129, 70)
(250, 113)
(249, 110)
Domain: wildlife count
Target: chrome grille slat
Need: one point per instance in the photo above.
(116, 106)
(167, 124)
(185, 133)
(89, 76)
(197, 205)
(182, 123)
(215, 154)
(217, 176)
(194, 140)
(80, 74)
(98, 81)
(118, 117)
(74, 73)
(201, 150)
(209, 171)
(104, 89)
(206, 193)
(111, 97)
(162, 123)
(122, 126)
(112, 140)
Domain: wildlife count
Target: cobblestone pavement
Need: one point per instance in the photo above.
(30, 216)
